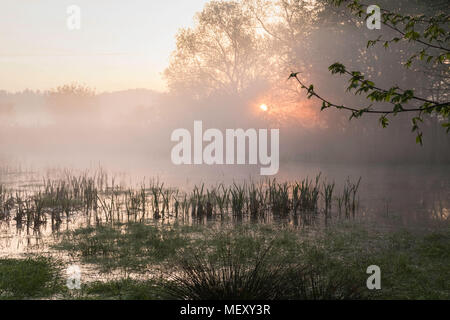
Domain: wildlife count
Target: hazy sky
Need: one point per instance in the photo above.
(122, 44)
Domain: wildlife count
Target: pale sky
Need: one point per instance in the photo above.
(122, 44)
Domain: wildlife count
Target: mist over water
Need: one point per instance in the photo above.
(127, 132)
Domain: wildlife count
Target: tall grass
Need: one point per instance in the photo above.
(328, 189)
(29, 278)
(229, 275)
(202, 279)
(348, 201)
(6, 203)
(102, 200)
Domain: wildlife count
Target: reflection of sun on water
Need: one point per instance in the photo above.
(263, 107)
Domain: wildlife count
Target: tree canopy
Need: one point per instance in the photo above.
(429, 35)
(402, 68)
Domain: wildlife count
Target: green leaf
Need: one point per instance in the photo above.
(447, 125)
(384, 121)
(419, 139)
(337, 68)
(398, 108)
(310, 91)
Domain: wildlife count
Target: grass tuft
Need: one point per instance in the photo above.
(29, 278)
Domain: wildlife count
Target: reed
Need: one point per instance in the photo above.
(354, 201)
(328, 189)
(99, 196)
(133, 203)
(309, 194)
(222, 198)
(203, 278)
(210, 204)
(279, 198)
(6, 203)
(348, 201)
(198, 202)
(233, 272)
(256, 201)
(238, 199)
(156, 191)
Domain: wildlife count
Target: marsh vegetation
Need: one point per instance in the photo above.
(347, 194)
(248, 262)
(101, 200)
(306, 239)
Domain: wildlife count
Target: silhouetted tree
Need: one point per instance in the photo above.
(221, 52)
(71, 100)
(430, 37)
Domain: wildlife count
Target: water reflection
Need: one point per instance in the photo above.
(35, 211)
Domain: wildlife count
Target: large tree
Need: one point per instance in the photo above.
(221, 52)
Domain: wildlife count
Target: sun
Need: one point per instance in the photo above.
(263, 107)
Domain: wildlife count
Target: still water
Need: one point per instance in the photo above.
(395, 196)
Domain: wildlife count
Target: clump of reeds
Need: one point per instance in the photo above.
(69, 194)
(238, 199)
(132, 204)
(201, 278)
(230, 275)
(157, 192)
(6, 203)
(348, 201)
(257, 201)
(279, 198)
(222, 199)
(110, 206)
(328, 189)
(309, 194)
